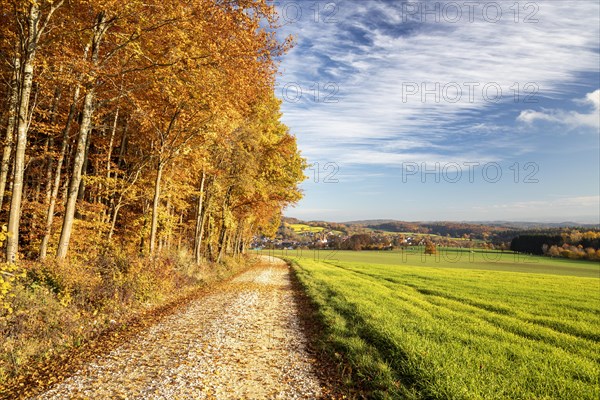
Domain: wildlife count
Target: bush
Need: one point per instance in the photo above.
(9, 274)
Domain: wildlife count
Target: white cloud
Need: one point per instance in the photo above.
(569, 118)
(550, 54)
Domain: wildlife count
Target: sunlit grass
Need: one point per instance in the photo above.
(453, 258)
(432, 331)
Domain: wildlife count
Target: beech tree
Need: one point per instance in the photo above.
(32, 18)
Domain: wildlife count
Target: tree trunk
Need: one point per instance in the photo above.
(113, 221)
(170, 231)
(142, 231)
(49, 158)
(182, 233)
(13, 109)
(57, 172)
(82, 142)
(48, 145)
(223, 243)
(111, 142)
(113, 195)
(202, 225)
(123, 145)
(12, 242)
(199, 221)
(67, 228)
(84, 167)
(154, 225)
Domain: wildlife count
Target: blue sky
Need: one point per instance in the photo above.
(445, 110)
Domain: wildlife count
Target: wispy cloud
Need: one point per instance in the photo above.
(571, 119)
(383, 62)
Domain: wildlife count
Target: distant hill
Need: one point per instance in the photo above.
(495, 231)
(370, 222)
(504, 224)
(537, 225)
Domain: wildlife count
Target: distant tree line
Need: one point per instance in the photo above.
(569, 244)
(533, 244)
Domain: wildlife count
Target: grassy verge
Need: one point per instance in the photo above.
(439, 333)
(74, 310)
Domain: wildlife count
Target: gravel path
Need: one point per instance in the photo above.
(243, 342)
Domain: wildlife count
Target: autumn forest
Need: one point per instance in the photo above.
(147, 124)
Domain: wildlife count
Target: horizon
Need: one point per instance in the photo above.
(474, 222)
(426, 111)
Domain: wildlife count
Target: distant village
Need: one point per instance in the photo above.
(298, 236)
(553, 241)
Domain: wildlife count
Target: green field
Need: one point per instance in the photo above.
(454, 258)
(411, 326)
(303, 228)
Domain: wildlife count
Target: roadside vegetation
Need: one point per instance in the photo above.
(57, 308)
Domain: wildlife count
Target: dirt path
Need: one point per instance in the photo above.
(242, 342)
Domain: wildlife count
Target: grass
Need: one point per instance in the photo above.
(301, 228)
(430, 330)
(455, 258)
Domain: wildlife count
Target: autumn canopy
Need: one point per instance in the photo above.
(142, 124)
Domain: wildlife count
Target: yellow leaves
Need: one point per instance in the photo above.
(3, 235)
(9, 274)
(65, 298)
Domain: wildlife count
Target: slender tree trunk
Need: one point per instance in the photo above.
(122, 151)
(68, 161)
(123, 145)
(82, 142)
(111, 142)
(202, 225)
(12, 242)
(84, 167)
(199, 221)
(154, 225)
(49, 162)
(223, 243)
(209, 244)
(57, 173)
(13, 109)
(143, 230)
(181, 234)
(67, 228)
(238, 239)
(113, 221)
(170, 231)
(49, 158)
(48, 145)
